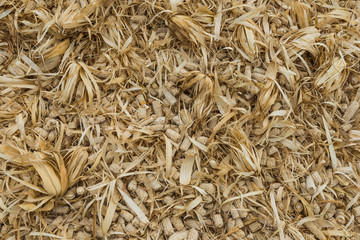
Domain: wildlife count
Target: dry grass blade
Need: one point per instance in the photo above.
(249, 38)
(186, 170)
(203, 90)
(186, 28)
(132, 205)
(332, 77)
(113, 199)
(76, 161)
(50, 179)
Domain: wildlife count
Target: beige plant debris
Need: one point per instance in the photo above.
(216, 119)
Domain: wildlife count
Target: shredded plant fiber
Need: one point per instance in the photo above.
(180, 119)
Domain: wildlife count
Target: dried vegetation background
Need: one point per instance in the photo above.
(179, 119)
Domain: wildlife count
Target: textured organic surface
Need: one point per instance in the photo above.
(233, 119)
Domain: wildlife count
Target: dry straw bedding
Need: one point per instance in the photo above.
(177, 119)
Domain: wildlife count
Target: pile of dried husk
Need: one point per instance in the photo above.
(213, 119)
